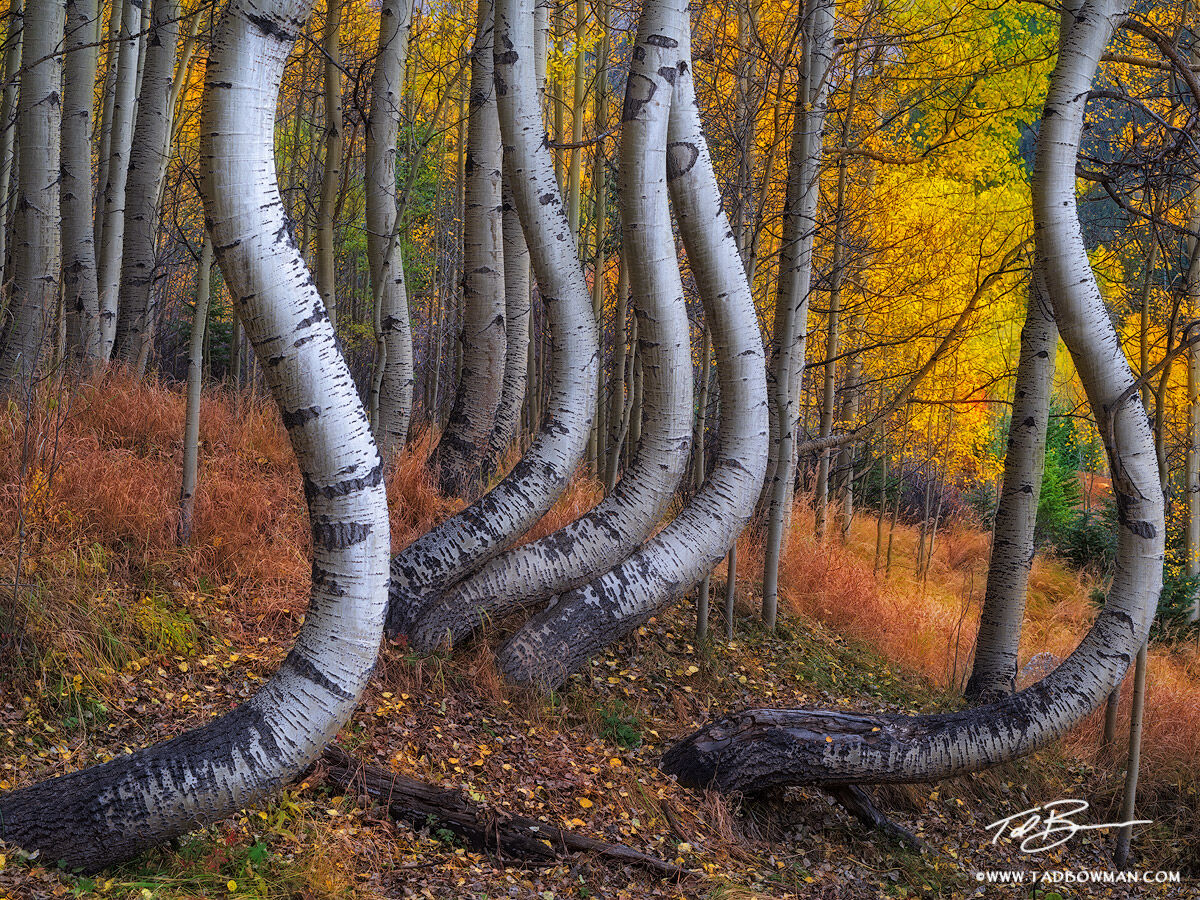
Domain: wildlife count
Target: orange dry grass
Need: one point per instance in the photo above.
(929, 627)
(414, 503)
(582, 493)
(836, 584)
(107, 462)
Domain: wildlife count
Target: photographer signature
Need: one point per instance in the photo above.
(1050, 825)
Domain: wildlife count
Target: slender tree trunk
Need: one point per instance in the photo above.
(1193, 456)
(151, 150)
(106, 814)
(795, 272)
(994, 671)
(1137, 708)
(698, 461)
(30, 332)
(465, 542)
(464, 444)
(195, 382)
(120, 141)
(392, 382)
(80, 293)
(8, 129)
(600, 540)
(837, 277)
(759, 749)
(557, 641)
(618, 421)
(578, 105)
(331, 171)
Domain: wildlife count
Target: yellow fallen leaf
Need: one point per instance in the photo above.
(584, 802)
(231, 885)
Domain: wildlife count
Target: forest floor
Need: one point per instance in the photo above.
(117, 638)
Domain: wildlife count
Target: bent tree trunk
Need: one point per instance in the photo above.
(109, 813)
(464, 444)
(557, 641)
(37, 245)
(994, 671)
(599, 540)
(463, 543)
(147, 167)
(763, 748)
(392, 387)
(81, 300)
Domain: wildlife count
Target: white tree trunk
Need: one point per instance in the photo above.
(331, 173)
(464, 444)
(147, 167)
(195, 382)
(599, 540)
(761, 748)
(112, 235)
(81, 298)
(463, 543)
(8, 127)
(795, 275)
(557, 641)
(30, 330)
(392, 387)
(994, 671)
(109, 813)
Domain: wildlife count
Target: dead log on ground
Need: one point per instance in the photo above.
(422, 805)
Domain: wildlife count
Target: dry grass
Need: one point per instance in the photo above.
(928, 626)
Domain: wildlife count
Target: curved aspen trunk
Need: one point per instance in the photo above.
(81, 297)
(463, 543)
(464, 444)
(195, 382)
(599, 540)
(762, 748)
(147, 167)
(331, 173)
(120, 141)
(994, 671)
(392, 385)
(109, 813)
(36, 265)
(559, 640)
(795, 275)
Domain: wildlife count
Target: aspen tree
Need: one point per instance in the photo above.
(106, 814)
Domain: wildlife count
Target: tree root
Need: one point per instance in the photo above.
(858, 803)
(528, 840)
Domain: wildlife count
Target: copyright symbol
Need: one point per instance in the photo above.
(979, 876)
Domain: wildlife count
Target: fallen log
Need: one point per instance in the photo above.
(763, 749)
(426, 805)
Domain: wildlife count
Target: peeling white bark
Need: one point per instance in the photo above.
(37, 246)
(463, 447)
(601, 539)
(109, 813)
(557, 641)
(392, 386)
(111, 237)
(994, 671)
(81, 298)
(460, 545)
(148, 159)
